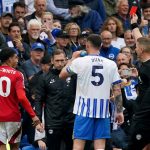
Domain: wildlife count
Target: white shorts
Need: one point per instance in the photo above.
(10, 131)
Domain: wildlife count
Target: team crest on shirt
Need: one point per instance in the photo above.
(50, 131)
(52, 81)
(111, 56)
(68, 79)
(138, 137)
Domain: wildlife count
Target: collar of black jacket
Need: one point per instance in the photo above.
(55, 71)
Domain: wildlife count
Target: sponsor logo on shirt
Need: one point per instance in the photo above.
(52, 81)
(138, 137)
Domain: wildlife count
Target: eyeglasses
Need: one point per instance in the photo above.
(74, 29)
(104, 39)
(126, 52)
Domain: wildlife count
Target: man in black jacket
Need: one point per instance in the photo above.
(140, 131)
(58, 96)
(40, 7)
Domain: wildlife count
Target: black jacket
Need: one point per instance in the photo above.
(31, 16)
(27, 41)
(58, 96)
(3, 43)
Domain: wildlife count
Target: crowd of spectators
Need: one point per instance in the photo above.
(45, 34)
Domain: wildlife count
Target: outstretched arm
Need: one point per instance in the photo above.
(62, 12)
(136, 32)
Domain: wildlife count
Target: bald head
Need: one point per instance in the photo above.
(106, 37)
(122, 58)
(37, 1)
(40, 7)
(106, 33)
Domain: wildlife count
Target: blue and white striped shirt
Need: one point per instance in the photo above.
(95, 76)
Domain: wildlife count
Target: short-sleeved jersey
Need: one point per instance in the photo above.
(10, 81)
(95, 76)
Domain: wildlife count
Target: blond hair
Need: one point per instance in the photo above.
(144, 42)
(68, 27)
(119, 26)
(47, 13)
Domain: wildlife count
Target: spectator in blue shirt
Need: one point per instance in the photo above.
(84, 16)
(32, 65)
(107, 50)
(73, 30)
(60, 8)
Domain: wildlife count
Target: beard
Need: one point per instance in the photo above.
(74, 16)
(35, 36)
(131, 45)
(77, 15)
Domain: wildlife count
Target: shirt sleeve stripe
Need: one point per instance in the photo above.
(68, 69)
(116, 82)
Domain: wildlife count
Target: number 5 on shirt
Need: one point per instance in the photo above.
(97, 74)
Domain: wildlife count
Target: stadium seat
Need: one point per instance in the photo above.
(30, 148)
(24, 141)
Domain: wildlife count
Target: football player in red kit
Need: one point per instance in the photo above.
(12, 93)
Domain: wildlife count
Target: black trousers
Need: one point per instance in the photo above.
(139, 135)
(55, 138)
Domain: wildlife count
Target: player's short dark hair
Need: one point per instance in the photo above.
(58, 52)
(95, 40)
(6, 53)
(19, 4)
(13, 24)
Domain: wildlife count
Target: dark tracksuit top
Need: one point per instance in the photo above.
(58, 96)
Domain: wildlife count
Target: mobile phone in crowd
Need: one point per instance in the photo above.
(47, 23)
(126, 72)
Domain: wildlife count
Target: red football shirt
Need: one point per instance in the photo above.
(11, 94)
